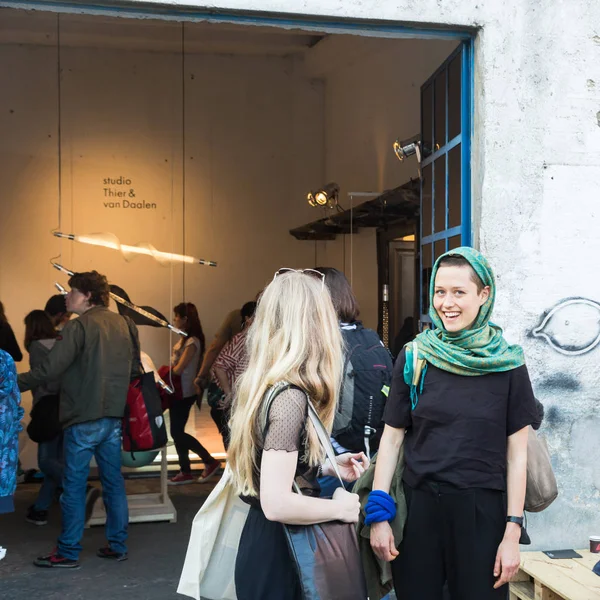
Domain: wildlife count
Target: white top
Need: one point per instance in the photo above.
(191, 370)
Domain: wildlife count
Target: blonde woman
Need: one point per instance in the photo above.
(295, 338)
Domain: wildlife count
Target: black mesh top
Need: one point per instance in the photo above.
(286, 431)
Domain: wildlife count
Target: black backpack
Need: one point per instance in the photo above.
(358, 422)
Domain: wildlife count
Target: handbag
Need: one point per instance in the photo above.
(209, 567)
(326, 554)
(45, 424)
(542, 488)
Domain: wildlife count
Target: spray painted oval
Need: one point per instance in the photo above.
(572, 327)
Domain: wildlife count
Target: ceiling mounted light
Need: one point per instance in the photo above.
(326, 196)
(404, 149)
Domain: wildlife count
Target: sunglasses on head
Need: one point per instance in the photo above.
(310, 272)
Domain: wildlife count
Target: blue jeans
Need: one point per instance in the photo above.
(101, 439)
(51, 465)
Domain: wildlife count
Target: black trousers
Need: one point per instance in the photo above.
(221, 419)
(184, 442)
(451, 535)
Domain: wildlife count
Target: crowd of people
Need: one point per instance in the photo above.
(447, 421)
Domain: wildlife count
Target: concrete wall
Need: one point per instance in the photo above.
(249, 153)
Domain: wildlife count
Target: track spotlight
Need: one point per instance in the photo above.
(326, 196)
(407, 148)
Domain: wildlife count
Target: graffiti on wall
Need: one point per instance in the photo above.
(572, 327)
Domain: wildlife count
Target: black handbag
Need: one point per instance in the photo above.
(44, 425)
(326, 554)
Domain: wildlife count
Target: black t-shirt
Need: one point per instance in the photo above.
(458, 432)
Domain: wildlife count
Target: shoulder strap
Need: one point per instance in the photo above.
(323, 438)
(418, 364)
(137, 351)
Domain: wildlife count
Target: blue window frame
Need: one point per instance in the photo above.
(446, 117)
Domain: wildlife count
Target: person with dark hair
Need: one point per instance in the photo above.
(187, 356)
(230, 327)
(460, 407)
(40, 337)
(95, 358)
(230, 364)
(358, 424)
(8, 341)
(56, 308)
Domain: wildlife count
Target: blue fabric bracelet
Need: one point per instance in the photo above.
(380, 507)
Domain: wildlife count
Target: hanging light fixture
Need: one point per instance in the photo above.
(109, 240)
(122, 301)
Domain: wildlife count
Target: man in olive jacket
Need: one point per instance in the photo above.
(94, 358)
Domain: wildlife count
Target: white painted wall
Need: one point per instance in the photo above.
(372, 91)
(250, 128)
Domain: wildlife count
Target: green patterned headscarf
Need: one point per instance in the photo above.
(470, 352)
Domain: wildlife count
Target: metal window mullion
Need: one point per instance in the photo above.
(449, 146)
(446, 234)
(465, 129)
(447, 133)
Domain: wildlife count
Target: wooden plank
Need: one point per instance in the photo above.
(523, 590)
(587, 559)
(566, 578)
(520, 576)
(541, 592)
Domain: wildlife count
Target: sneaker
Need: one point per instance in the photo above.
(91, 496)
(55, 561)
(182, 478)
(209, 471)
(108, 552)
(37, 517)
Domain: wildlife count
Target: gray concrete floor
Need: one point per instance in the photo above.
(156, 553)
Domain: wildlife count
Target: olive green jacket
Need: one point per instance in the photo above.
(94, 358)
(378, 573)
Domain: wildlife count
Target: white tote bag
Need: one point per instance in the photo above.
(209, 567)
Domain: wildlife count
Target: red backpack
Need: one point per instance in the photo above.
(143, 422)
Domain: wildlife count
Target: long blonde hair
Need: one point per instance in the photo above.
(295, 337)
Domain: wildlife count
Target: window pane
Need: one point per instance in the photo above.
(440, 194)
(426, 264)
(439, 248)
(455, 242)
(427, 256)
(454, 187)
(427, 120)
(454, 92)
(426, 200)
(426, 275)
(440, 111)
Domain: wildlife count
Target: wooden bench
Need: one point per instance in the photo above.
(544, 578)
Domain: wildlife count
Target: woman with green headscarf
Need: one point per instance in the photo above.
(461, 403)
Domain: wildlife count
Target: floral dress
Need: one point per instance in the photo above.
(11, 414)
